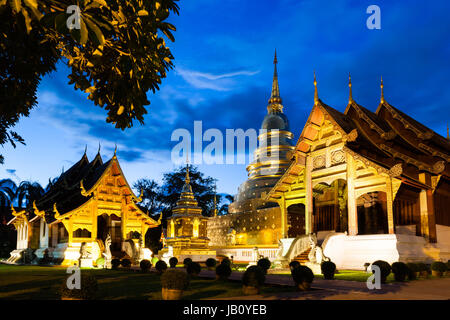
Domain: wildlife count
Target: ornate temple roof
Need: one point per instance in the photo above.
(387, 138)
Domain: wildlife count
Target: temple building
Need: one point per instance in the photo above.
(252, 219)
(88, 202)
(186, 235)
(369, 185)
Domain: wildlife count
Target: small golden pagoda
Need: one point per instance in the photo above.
(187, 228)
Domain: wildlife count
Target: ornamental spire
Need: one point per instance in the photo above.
(448, 133)
(350, 96)
(316, 95)
(382, 90)
(275, 99)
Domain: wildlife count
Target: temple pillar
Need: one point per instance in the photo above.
(70, 230)
(351, 199)
(284, 223)
(389, 204)
(94, 230)
(309, 206)
(427, 219)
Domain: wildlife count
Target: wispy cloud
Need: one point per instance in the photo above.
(218, 82)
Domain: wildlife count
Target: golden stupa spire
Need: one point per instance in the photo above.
(382, 90)
(187, 180)
(448, 133)
(350, 95)
(275, 99)
(316, 95)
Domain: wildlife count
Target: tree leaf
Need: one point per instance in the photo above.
(97, 31)
(83, 31)
(16, 5)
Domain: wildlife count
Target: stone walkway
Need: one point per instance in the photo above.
(431, 289)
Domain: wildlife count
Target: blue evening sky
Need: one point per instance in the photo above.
(223, 73)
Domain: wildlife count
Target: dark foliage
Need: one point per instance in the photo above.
(145, 265)
(400, 271)
(223, 271)
(328, 269)
(161, 266)
(193, 268)
(302, 274)
(254, 276)
(173, 262)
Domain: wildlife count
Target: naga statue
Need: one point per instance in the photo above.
(107, 254)
(316, 254)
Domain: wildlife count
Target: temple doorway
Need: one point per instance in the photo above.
(330, 206)
(372, 213)
(296, 220)
(110, 224)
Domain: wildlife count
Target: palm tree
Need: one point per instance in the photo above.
(27, 192)
(8, 190)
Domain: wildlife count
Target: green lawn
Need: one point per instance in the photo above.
(35, 282)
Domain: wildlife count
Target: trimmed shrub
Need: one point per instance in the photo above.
(400, 271)
(226, 261)
(303, 277)
(115, 263)
(175, 279)
(264, 264)
(173, 262)
(328, 269)
(87, 290)
(126, 263)
(412, 271)
(211, 263)
(421, 267)
(294, 264)
(438, 268)
(193, 268)
(254, 276)
(154, 261)
(385, 269)
(161, 266)
(145, 265)
(223, 271)
(187, 261)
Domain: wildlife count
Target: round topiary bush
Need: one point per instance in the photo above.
(154, 261)
(161, 266)
(211, 263)
(223, 271)
(400, 271)
(145, 265)
(328, 269)
(193, 269)
(385, 269)
(87, 291)
(186, 262)
(294, 264)
(254, 276)
(115, 263)
(100, 262)
(226, 261)
(264, 264)
(413, 271)
(173, 262)
(438, 268)
(174, 279)
(303, 277)
(126, 263)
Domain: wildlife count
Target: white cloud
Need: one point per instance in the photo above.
(217, 82)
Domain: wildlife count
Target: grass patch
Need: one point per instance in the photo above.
(43, 283)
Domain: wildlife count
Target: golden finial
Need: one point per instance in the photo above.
(85, 149)
(115, 150)
(350, 97)
(448, 133)
(316, 95)
(215, 205)
(382, 90)
(275, 99)
(99, 147)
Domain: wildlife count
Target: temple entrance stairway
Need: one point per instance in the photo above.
(303, 257)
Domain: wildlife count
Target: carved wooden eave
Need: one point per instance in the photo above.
(144, 217)
(368, 163)
(19, 217)
(38, 212)
(408, 125)
(295, 169)
(387, 135)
